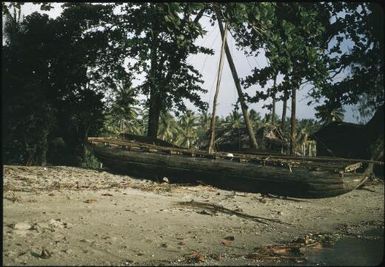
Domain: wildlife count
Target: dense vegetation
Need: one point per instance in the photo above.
(68, 78)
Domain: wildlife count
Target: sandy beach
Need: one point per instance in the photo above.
(74, 216)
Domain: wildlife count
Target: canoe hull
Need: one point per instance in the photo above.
(227, 174)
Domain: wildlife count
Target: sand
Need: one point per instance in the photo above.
(73, 216)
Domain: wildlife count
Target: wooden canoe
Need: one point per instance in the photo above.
(289, 176)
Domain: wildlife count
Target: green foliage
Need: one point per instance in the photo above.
(187, 130)
(327, 115)
(90, 161)
(292, 43)
(122, 115)
(308, 126)
(69, 77)
(361, 68)
(160, 36)
(168, 127)
(234, 120)
(255, 118)
(47, 90)
(27, 112)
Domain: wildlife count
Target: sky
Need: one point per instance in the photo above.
(207, 65)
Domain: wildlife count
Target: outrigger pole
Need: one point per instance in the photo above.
(253, 141)
(220, 67)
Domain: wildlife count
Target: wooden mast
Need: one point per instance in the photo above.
(253, 141)
(220, 67)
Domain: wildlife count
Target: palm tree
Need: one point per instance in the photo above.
(306, 127)
(204, 120)
(143, 120)
(234, 120)
(122, 116)
(330, 114)
(255, 118)
(232, 128)
(167, 127)
(337, 114)
(187, 130)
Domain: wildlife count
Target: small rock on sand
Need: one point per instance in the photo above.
(22, 226)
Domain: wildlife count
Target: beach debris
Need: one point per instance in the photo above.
(229, 156)
(196, 257)
(277, 252)
(316, 241)
(230, 238)
(226, 242)
(262, 200)
(238, 209)
(128, 262)
(44, 254)
(204, 212)
(12, 197)
(165, 180)
(282, 250)
(84, 240)
(295, 250)
(91, 200)
(217, 257)
(56, 223)
(202, 183)
(107, 195)
(220, 209)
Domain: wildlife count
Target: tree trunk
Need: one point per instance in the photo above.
(220, 67)
(284, 108)
(273, 109)
(253, 141)
(41, 152)
(154, 110)
(273, 112)
(292, 121)
(157, 85)
(375, 135)
(153, 116)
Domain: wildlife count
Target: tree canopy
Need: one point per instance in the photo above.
(82, 73)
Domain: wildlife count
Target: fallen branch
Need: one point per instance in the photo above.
(216, 208)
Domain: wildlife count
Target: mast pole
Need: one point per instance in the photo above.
(253, 141)
(220, 67)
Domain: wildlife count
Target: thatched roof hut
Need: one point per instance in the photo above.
(269, 137)
(351, 140)
(342, 139)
